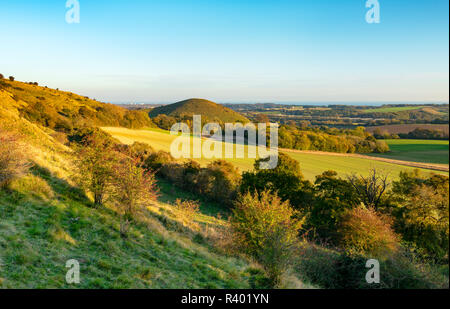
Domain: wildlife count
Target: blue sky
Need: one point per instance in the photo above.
(231, 51)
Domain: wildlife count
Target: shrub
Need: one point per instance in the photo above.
(1, 76)
(333, 196)
(264, 227)
(220, 181)
(11, 78)
(187, 210)
(13, 157)
(331, 269)
(95, 160)
(134, 188)
(157, 159)
(364, 231)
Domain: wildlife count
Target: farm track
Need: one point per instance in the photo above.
(431, 166)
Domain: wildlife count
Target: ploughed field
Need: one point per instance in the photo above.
(427, 151)
(312, 164)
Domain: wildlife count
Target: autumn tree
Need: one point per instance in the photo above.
(364, 231)
(95, 160)
(266, 229)
(134, 188)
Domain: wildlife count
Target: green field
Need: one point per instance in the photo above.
(392, 109)
(426, 151)
(310, 163)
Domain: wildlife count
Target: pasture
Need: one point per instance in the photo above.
(392, 109)
(426, 151)
(311, 164)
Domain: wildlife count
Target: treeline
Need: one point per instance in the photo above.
(330, 139)
(418, 133)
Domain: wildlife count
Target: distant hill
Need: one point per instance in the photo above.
(207, 109)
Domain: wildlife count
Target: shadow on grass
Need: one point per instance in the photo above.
(61, 187)
(169, 193)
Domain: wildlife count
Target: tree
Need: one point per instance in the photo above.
(364, 231)
(2, 76)
(333, 196)
(266, 229)
(371, 188)
(13, 157)
(421, 208)
(286, 179)
(95, 161)
(262, 118)
(134, 188)
(11, 78)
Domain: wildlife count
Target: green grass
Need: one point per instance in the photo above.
(392, 109)
(426, 151)
(41, 227)
(310, 163)
(313, 164)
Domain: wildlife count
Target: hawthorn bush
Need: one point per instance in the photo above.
(266, 229)
(364, 231)
(133, 188)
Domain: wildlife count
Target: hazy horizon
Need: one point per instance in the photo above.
(231, 51)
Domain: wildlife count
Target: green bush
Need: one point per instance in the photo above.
(264, 228)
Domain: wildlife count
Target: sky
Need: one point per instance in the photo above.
(231, 51)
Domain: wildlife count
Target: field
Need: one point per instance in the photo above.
(311, 164)
(406, 128)
(392, 109)
(427, 151)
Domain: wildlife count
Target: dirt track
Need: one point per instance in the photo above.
(430, 166)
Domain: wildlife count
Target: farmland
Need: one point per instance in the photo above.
(427, 151)
(406, 128)
(311, 164)
(392, 109)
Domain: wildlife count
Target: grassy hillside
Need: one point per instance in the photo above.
(46, 220)
(427, 151)
(207, 109)
(311, 164)
(62, 111)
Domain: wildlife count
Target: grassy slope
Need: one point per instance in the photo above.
(199, 107)
(427, 151)
(311, 164)
(45, 220)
